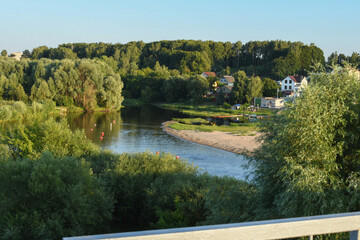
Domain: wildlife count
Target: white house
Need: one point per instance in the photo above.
(228, 80)
(269, 102)
(293, 84)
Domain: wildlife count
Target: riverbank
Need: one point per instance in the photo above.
(221, 140)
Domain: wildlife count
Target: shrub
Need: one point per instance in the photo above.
(48, 105)
(226, 105)
(50, 198)
(20, 107)
(37, 107)
(57, 137)
(5, 113)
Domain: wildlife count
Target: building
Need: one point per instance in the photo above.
(16, 55)
(228, 80)
(269, 102)
(208, 74)
(293, 84)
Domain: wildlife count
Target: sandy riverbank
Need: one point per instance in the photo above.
(221, 140)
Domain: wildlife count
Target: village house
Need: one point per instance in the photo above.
(208, 74)
(269, 102)
(16, 55)
(228, 80)
(293, 84)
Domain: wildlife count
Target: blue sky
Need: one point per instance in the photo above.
(333, 25)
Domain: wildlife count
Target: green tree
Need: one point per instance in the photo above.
(308, 163)
(198, 87)
(269, 87)
(31, 140)
(50, 198)
(254, 88)
(4, 53)
(238, 94)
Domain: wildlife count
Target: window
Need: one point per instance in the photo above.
(290, 81)
(289, 87)
(285, 87)
(285, 81)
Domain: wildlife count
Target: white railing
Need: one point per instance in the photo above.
(260, 230)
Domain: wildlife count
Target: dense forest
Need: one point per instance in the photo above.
(157, 71)
(262, 58)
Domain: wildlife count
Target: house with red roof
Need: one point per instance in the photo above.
(293, 84)
(208, 74)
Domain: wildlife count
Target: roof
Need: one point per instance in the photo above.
(210, 74)
(296, 78)
(230, 79)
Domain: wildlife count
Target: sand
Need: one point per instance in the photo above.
(221, 140)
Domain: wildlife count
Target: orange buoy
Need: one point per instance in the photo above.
(158, 152)
(101, 138)
(91, 129)
(113, 121)
(177, 157)
(102, 134)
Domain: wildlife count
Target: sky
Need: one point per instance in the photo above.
(332, 25)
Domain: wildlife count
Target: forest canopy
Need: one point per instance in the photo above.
(263, 58)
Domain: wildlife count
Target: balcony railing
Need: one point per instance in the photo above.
(260, 230)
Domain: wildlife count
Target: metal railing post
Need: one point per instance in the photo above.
(354, 235)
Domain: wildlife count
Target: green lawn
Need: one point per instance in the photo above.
(237, 128)
(211, 110)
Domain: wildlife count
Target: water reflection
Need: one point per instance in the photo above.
(138, 129)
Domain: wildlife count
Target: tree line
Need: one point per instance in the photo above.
(83, 83)
(274, 59)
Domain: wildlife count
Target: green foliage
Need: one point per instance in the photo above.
(229, 200)
(51, 197)
(194, 121)
(20, 107)
(269, 87)
(37, 107)
(84, 83)
(31, 140)
(129, 176)
(309, 160)
(4, 53)
(254, 88)
(5, 113)
(226, 105)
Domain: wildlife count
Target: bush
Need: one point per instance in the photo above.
(226, 105)
(191, 121)
(50, 198)
(20, 107)
(130, 177)
(48, 106)
(31, 140)
(5, 113)
(37, 107)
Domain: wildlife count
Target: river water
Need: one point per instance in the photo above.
(138, 129)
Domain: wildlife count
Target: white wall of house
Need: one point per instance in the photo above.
(287, 84)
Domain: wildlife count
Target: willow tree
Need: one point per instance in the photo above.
(309, 161)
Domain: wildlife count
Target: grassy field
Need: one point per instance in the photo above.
(211, 110)
(243, 129)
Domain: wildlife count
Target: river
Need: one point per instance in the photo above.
(138, 129)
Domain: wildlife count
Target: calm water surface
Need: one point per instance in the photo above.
(138, 129)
